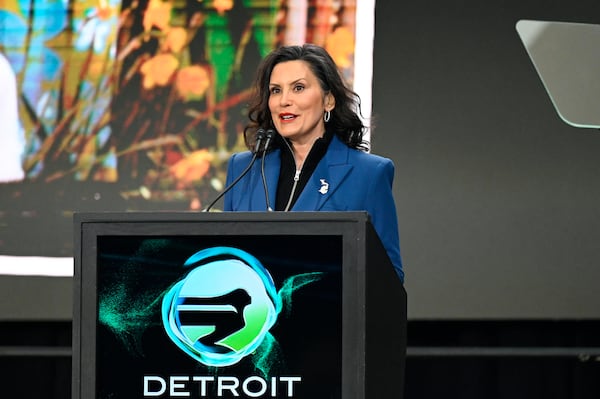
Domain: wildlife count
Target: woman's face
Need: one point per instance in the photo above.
(297, 102)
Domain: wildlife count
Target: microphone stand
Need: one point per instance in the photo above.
(269, 136)
(260, 135)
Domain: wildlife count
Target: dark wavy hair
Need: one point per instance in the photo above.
(345, 121)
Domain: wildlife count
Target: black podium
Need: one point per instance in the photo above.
(246, 305)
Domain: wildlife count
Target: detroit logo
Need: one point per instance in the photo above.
(222, 309)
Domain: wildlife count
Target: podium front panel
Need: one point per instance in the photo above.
(223, 305)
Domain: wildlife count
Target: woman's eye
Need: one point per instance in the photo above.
(299, 88)
(274, 90)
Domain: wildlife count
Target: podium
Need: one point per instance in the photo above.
(245, 305)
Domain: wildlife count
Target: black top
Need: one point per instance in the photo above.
(288, 169)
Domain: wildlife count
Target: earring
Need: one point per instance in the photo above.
(327, 116)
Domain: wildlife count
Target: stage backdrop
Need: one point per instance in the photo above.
(137, 105)
(498, 198)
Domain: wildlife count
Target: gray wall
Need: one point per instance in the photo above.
(39, 298)
(498, 199)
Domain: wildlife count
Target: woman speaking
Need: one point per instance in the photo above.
(316, 158)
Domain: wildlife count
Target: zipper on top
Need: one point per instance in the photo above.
(296, 178)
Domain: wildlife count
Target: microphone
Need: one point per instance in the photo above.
(269, 136)
(270, 133)
(260, 136)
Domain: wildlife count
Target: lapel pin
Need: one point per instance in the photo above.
(324, 186)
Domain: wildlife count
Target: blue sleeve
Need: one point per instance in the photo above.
(382, 209)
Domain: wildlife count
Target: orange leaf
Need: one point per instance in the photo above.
(340, 44)
(157, 71)
(193, 167)
(158, 14)
(192, 82)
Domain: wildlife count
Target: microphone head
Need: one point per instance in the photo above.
(269, 136)
(259, 137)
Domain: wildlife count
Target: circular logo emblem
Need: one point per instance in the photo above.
(223, 308)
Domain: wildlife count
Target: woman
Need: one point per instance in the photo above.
(318, 159)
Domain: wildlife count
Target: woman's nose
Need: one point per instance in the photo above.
(284, 99)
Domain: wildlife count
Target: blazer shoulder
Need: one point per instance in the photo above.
(371, 159)
(239, 160)
(244, 156)
(341, 152)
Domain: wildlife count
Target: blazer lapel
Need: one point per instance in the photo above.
(272, 165)
(326, 179)
(272, 169)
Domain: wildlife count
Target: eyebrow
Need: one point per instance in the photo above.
(291, 84)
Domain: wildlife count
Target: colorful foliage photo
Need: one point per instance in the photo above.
(142, 99)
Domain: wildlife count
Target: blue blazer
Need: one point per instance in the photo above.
(345, 179)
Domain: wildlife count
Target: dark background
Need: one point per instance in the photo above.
(497, 203)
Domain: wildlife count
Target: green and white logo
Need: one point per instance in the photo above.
(223, 308)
